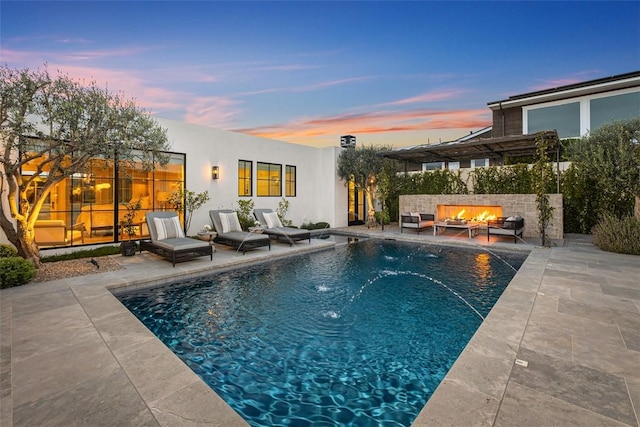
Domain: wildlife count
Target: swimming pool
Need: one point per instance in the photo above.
(357, 336)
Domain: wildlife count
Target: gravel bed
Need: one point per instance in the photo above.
(75, 267)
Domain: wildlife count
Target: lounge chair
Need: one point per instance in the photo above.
(506, 226)
(230, 233)
(416, 221)
(272, 227)
(168, 239)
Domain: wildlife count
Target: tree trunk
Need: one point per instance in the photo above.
(22, 239)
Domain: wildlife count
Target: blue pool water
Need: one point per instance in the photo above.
(359, 336)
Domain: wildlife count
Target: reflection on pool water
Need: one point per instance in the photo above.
(358, 336)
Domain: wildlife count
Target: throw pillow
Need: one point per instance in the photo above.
(230, 222)
(168, 228)
(272, 220)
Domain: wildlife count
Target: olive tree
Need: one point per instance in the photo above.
(610, 156)
(60, 124)
(362, 166)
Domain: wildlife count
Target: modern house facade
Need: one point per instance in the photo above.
(571, 111)
(86, 208)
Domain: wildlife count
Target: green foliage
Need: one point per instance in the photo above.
(15, 271)
(382, 216)
(283, 208)
(611, 156)
(188, 200)
(72, 122)
(513, 179)
(541, 171)
(440, 181)
(127, 222)
(315, 225)
(619, 235)
(7, 251)
(580, 194)
(85, 253)
(245, 214)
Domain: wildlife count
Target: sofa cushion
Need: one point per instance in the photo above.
(272, 220)
(229, 222)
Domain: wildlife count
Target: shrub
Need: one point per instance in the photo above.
(245, 214)
(315, 226)
(7, 251)
(85, 253)
(15, 271)
(382, 216)
(619, 235)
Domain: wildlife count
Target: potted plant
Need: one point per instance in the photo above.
(129, 226)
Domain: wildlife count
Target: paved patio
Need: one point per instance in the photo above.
(71, 354)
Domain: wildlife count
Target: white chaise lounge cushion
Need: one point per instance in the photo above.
(168, 228)
(229, 222)
(272, 220)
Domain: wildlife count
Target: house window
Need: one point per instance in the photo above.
(244, 178)
(269, 180)
(479, 163)
(610, 108)
(564, 118)
(454, 166)
(432, 166)
(290, 181)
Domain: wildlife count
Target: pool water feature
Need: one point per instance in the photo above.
(361, 335)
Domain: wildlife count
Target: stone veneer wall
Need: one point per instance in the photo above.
(512, 204)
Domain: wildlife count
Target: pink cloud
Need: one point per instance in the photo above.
(374, 123)
(429, 97)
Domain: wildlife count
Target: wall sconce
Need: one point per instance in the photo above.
(215, 172)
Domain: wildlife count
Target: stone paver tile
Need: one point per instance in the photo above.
(604, 301)
(619, 290)
(122, 331)
(50, 330)
(25, 306)
(631, 338)
(154, 369)
(522, 406)
(624, 319)
(105, 400)
(582, 386)
(455, 405)
(47, 374)
(562, 286)
(575, 277)
(612, 359)
(484, 366)
(195, 404)
(549, 340)
(505, 324)
(634, 392)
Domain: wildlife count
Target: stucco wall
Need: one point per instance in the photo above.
(512, 204)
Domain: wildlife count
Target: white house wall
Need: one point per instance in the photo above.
(320, 195)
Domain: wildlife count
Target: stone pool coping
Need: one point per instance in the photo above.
(71, 354)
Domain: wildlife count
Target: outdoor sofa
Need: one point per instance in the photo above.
(272, 227)
(168, 239)
(416, 221)
(506, 226)
(226, 223)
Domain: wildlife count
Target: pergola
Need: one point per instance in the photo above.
(493, 148)
(496, 149)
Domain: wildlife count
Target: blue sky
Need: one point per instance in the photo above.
(393, 73)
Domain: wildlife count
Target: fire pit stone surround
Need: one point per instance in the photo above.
(512, 204)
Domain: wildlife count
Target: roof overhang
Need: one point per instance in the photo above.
(492, 148)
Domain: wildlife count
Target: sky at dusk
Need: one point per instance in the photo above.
(390, 73)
